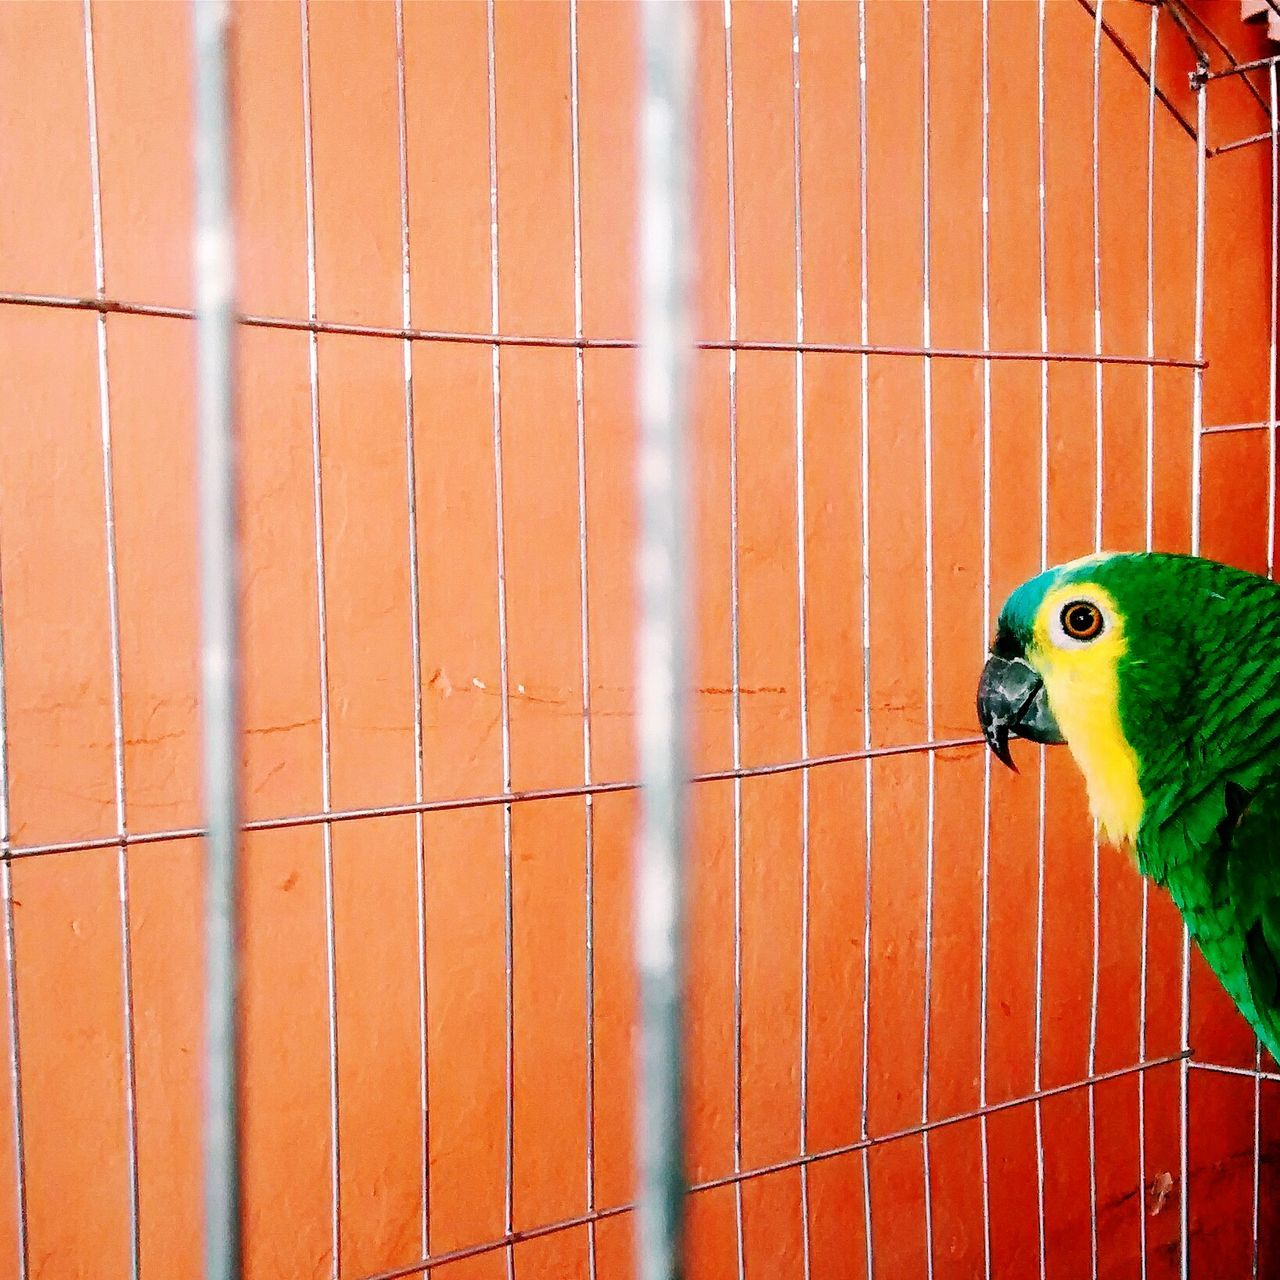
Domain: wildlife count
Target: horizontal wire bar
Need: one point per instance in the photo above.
(299, 325)
(1219, 1068)
(1235, 71)
(1230, 427)
(781, 1166)
(112, 306)
(504, 1241)
(945, 1122)
(12, 851)
(1250, 141)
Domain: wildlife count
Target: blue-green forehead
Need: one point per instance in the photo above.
(1020, 609)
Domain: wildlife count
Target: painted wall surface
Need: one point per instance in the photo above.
(842, 497)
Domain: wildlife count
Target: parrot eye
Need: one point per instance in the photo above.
(1081, 620)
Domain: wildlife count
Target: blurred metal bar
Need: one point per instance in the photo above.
(11, 988)
(662, 564)
(112, 306)
(926, 321)
(415, 629)
(117, 684)
(482, 802)
(802, 619)
(781, 1166)
(215, 289)
(584, 641)
(735, 630)
(864, 529)
(322, 646)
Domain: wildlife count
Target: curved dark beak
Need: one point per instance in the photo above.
(1012, 700)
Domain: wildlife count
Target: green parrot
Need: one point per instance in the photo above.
(1161, 673)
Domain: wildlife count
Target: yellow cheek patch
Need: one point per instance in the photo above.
(1083, 688)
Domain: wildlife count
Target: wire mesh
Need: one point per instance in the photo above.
(830, 339)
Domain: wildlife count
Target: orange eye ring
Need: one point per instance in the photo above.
(1081, 620)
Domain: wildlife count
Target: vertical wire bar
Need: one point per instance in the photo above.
(1271, 347)
(1097, 294)
(802, 619)
(1197, 424)
(1271, 550)
(1149, 537)
(415, 631)
(1090, 1096)
(985, 919)
(17, 1135)
(1257, 1153)
(322, 649)
(113, 622)
(1149, 502)
(1041, 788)
(930, 756)
(665, 263)
(735, 626)
(584, 640)
(1197, 377)
(864, 480)
(219, 648)
(504, 693)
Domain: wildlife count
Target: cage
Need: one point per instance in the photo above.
(980, 287)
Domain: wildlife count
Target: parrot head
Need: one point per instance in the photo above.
(1155, 670)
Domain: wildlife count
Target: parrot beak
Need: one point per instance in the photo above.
(1012, 699)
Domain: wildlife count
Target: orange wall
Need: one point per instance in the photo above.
(64, 785)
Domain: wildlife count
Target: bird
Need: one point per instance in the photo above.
(1161, 674)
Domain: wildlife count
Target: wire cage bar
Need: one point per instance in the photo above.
(889, 366)
(22, 1248)
(113, 628)
(665, 270)
(405, 333)
(220, 652)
